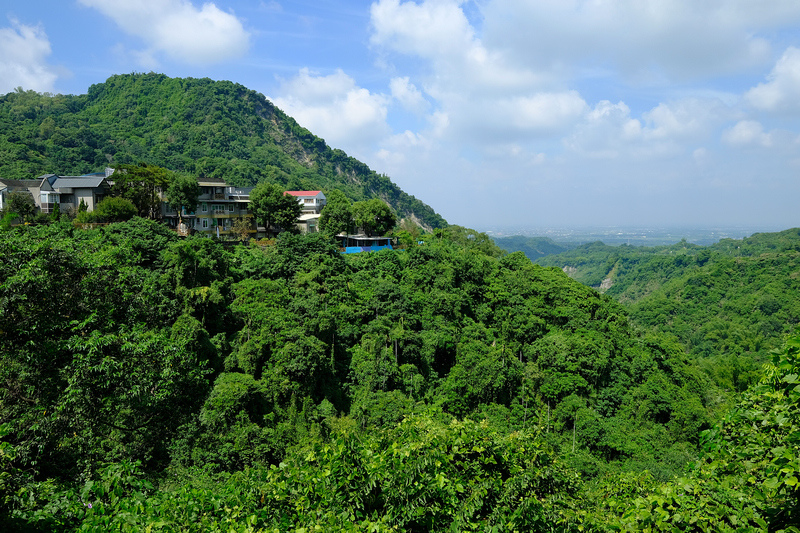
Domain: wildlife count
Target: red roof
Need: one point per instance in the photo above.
(303, 193)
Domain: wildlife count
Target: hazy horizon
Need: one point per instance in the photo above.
(633, 235)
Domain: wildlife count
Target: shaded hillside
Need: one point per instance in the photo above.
(209, 128)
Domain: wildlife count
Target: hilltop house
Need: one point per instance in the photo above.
(50, 190)
(218, 206)
(312, 203)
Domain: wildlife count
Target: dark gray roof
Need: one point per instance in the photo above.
(20, 184)
(78, 182)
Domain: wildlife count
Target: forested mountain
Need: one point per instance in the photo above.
(183, 385)
(729, 303)
(208, 128)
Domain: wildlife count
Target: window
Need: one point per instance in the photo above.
(205, 208)
(216, 208)
(230, 208)
(309, 200)
(205, 222)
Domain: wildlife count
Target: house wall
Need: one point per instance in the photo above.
(87, 196)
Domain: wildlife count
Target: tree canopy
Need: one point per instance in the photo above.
(444, 386)
(373, 216)
(182, 192)
(337, 215)
(273, 207)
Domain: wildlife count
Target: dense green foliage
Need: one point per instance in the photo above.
(183, 192)
(197, 126)
(181, 385)
(533, 247)
(373, 216)
(111, 209)
(271, 206)
(728, 304)
(337, 215)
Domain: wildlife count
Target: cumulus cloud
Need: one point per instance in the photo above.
(747, 132)
(518, 92)
(439, 32)
(781, 93)
(408, 95)
(609, 131)
(335, 108)
(178, 29)
(23, 58)
(646, 41)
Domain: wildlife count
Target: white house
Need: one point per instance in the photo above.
(311, 201)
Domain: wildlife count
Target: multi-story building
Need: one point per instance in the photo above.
(218, 206)
(67, 192)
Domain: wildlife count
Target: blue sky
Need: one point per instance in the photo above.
(495, 112)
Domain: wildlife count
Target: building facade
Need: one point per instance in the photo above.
(218, 207)
(67, 192)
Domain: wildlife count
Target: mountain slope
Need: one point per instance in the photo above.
(730, 303)
(209, 128)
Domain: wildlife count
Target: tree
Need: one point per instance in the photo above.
(242, 227)
(141, 185)
(337, 215)
(183, 192)
(374, 216)
(271, 206)
(22, 204)
(112, 209)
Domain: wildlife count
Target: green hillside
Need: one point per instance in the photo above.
(139, 365)
(733, 300)
(532, 247)
(208, 128)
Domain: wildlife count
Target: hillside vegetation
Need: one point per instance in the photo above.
(179, 382)
(728, 304)
(208, 128)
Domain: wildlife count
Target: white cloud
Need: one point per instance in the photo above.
(646, 41)
(23, 59)
(781, 93)
(686, 119)
(609, 131)
(336, 109)
(178, 29)
(522, 96)
(439, 32)
(747, 132)
(430, 29)
(408, 95)
(543, 112)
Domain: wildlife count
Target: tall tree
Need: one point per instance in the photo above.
(374, 216)
(141, 184)
(22, 204)
(272, 207)
(337, 215)
(183, 192)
